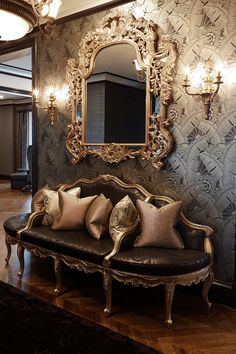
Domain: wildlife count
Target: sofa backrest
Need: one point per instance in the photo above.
(112, 187)
(193, 235)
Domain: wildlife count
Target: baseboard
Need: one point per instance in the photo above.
(223, 294)
(220, 293)
(4, 177)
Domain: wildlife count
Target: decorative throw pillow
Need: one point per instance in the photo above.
(37, 203)
(157, 226)
(51, 202)
(123, 217)
(72, 212)
(97, 217)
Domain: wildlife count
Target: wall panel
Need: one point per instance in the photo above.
(202, 167)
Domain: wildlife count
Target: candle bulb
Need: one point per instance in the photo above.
(35, 93)
(186, 80)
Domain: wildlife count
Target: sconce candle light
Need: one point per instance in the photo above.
(46, 11)
(51, 104)
(209, 86)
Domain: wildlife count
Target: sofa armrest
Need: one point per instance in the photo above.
(35, 219)
(125, 240)
(207, 234)
(195, 236)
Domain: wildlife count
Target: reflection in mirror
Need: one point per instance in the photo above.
(78, 113)
(115, 98)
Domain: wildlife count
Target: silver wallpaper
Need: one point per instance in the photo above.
(201, 170)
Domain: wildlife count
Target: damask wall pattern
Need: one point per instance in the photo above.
(201, 170)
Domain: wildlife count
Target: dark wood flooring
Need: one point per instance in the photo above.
(137, 313)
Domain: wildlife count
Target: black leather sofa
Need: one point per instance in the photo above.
(144, 266)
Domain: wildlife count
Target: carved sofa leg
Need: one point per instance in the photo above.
(57, 270)
(107, 285)
(8, 245)
(169, 289)
(206, 287)
(20, 254)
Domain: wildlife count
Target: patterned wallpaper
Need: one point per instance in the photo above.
(201, 170)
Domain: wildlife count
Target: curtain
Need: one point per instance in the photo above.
(23, 138)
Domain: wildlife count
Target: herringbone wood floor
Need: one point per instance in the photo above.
(137, 313)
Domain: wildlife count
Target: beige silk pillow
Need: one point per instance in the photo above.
(157, 226)
(37, 203)
(72, 212)
(51, 202)
(97, 217)
(123, 217)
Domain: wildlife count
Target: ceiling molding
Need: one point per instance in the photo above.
(92, 10)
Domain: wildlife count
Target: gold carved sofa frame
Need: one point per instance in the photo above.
(44, 242)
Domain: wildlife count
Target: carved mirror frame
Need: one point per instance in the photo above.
(157, 60)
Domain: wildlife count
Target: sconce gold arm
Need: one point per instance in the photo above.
(46, 10)
(51, 107)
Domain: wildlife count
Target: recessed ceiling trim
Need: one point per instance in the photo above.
(15, 71)
(16, 92)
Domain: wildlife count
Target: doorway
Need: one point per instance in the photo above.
(17, 116)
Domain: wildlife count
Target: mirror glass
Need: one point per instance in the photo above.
(115, 98)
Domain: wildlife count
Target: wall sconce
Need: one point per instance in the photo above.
(46, 11)
(51, 106)
(209, 85)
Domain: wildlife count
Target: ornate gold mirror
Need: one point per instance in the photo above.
(119, 87)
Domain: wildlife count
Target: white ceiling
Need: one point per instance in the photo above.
(15, 75)
(19, 58)
(70, 7)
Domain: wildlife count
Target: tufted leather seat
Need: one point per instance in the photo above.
(15, 223)
(160, 261)
(78, 244)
